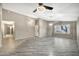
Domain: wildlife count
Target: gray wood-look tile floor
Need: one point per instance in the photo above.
(48, 46)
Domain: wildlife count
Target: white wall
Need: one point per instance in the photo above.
(0, 23)
(78, 32)
(42, 28)
(50, 29)
(24, 26)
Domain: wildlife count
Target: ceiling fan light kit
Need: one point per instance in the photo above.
(42, 8)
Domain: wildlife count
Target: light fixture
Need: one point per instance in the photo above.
(50, 24)
(41, 9)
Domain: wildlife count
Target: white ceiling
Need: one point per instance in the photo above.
(61, 11)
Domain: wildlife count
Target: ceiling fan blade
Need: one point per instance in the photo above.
(35, 10)
(47, 7)
(40, 4)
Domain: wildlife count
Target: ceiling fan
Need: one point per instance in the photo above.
(41, 7)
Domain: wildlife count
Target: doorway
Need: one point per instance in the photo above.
(8, 36)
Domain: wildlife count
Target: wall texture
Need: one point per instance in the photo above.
(0, 23)
(42, 28)
(50, 29)
(78, 32)
(24, 26)
(72, 34)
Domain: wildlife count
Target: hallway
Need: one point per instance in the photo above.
(49, 46)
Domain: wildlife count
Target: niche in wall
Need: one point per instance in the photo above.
(63, 28)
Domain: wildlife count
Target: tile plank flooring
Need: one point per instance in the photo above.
(49, 46)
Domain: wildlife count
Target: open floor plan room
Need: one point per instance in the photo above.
(39, 29)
